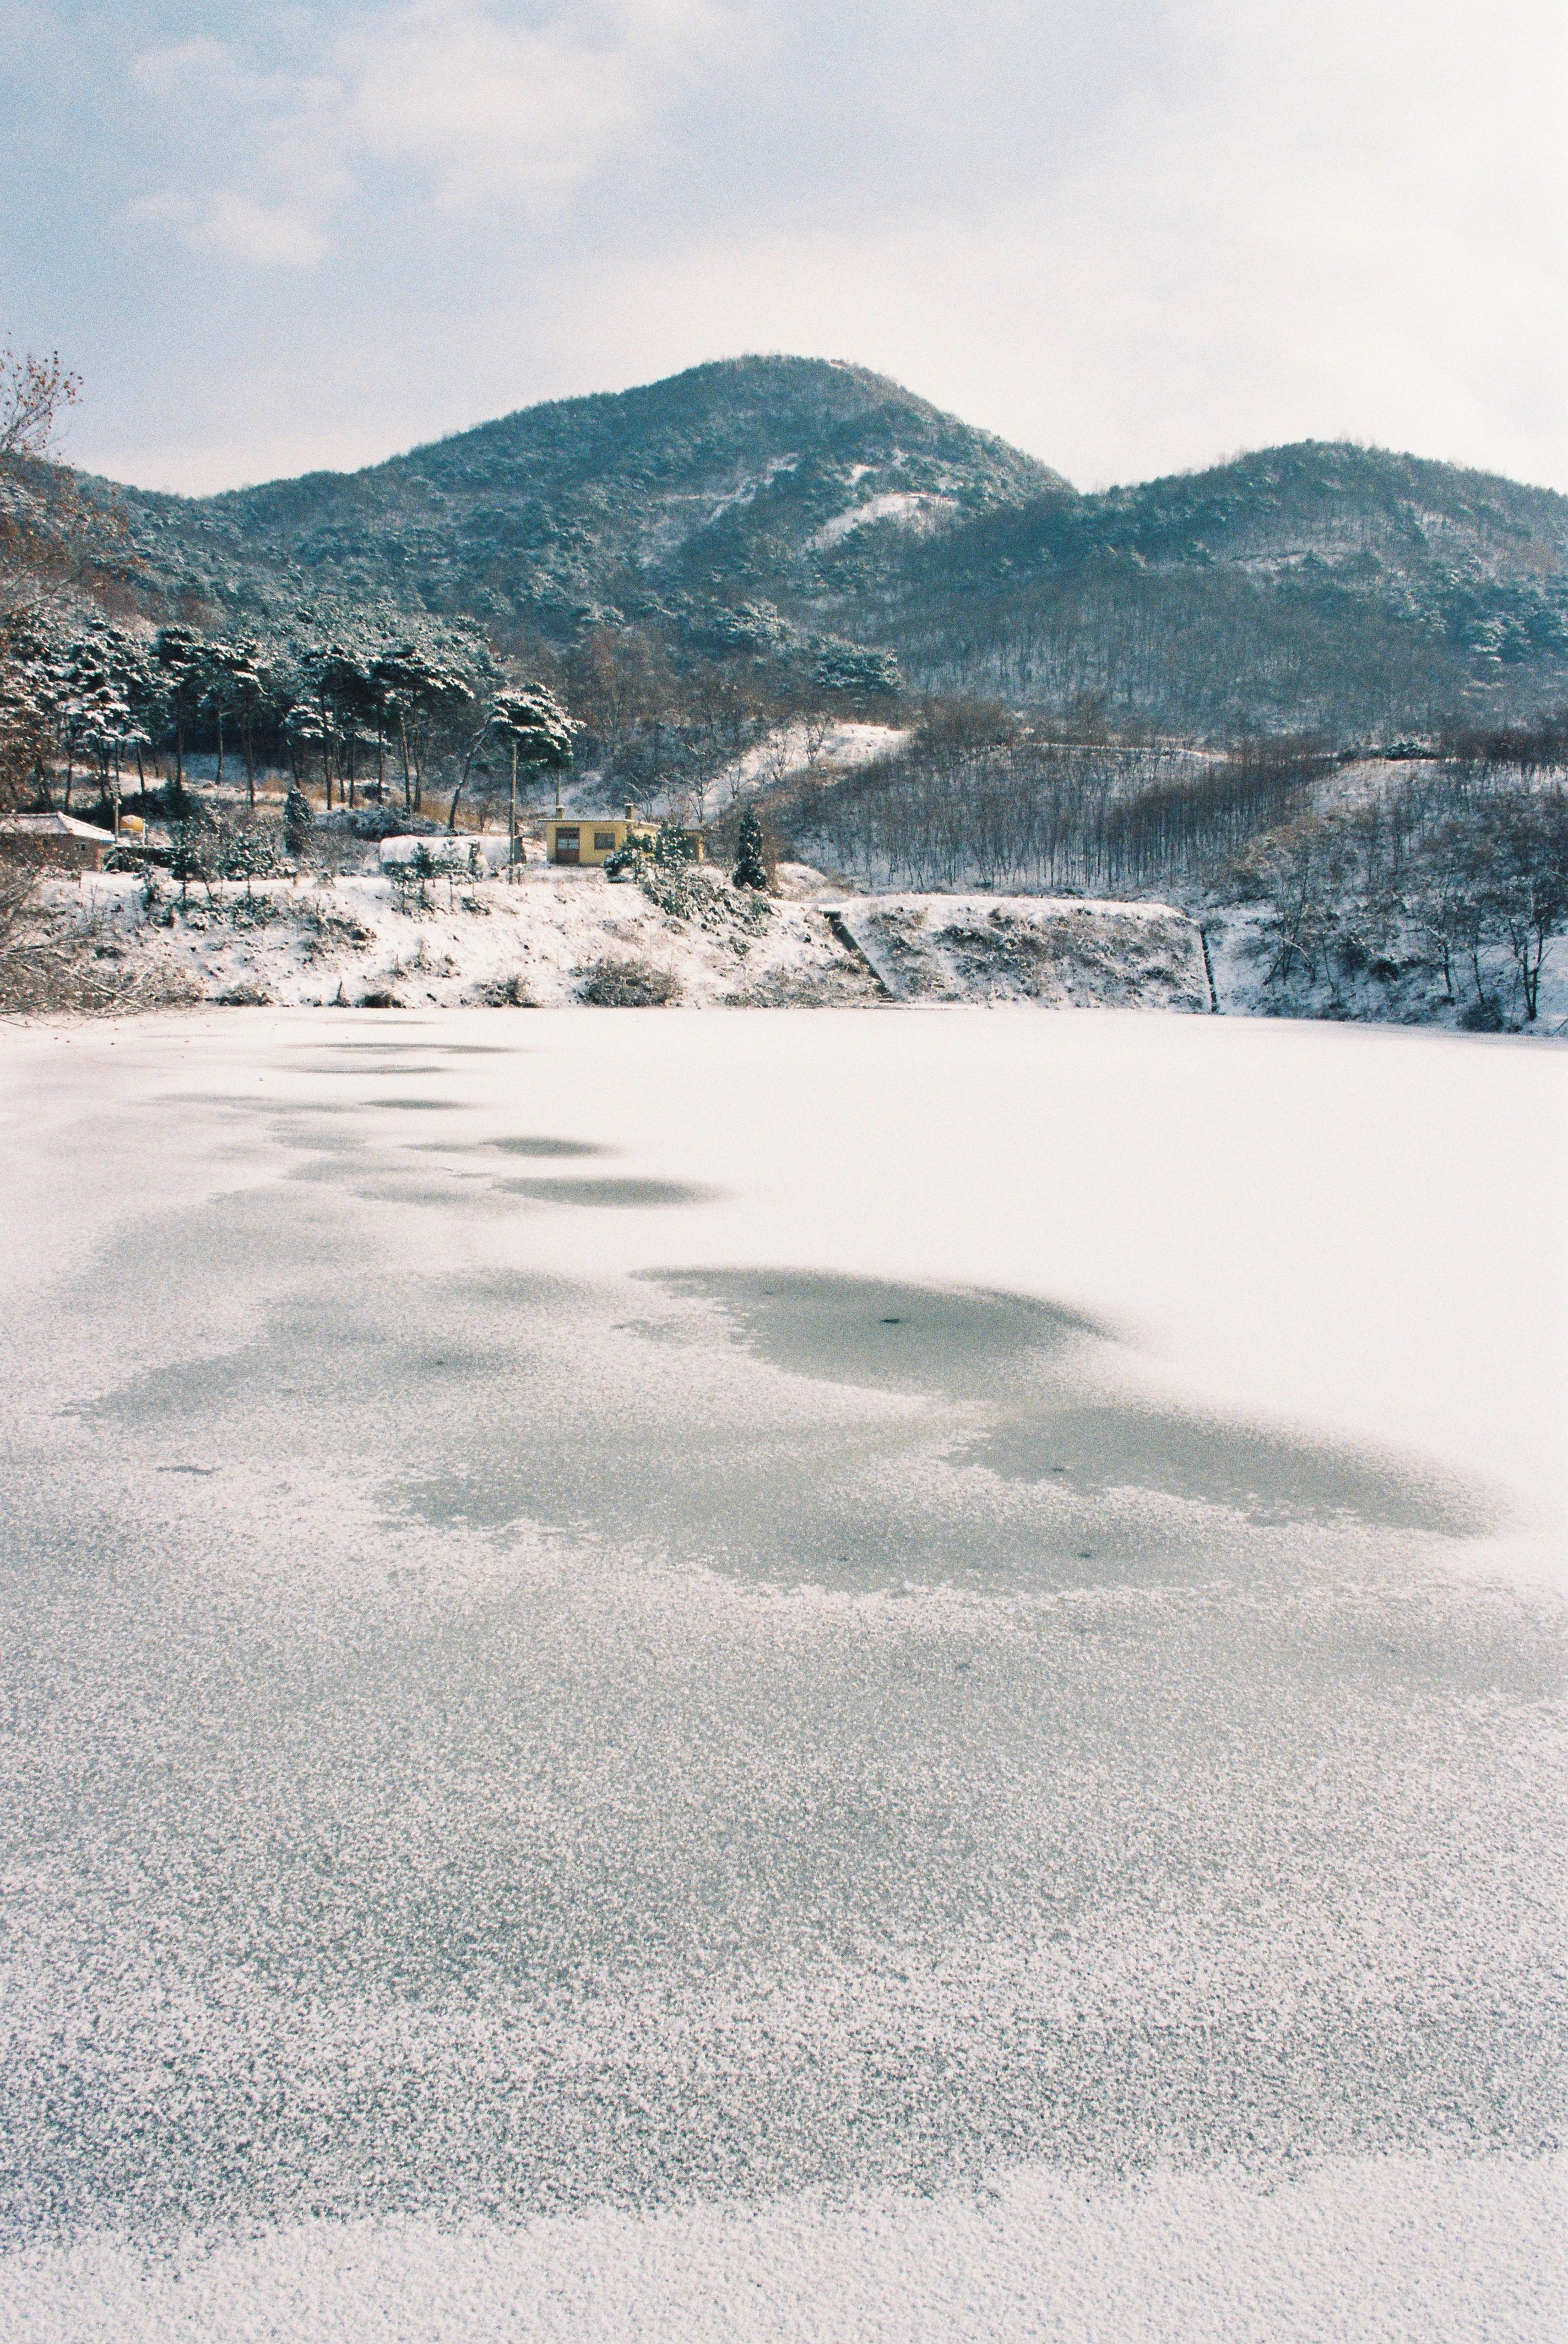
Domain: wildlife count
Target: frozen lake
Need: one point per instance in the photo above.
(763, 1674)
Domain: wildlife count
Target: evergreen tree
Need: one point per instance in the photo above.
(749, 869)
(298, 821)
(672, 847)
(176, 658)
(191, 853)
(534, 721)
(247, 854)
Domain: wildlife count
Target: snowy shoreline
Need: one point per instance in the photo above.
(537, 941)
(545, 938)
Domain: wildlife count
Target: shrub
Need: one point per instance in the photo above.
(505, 992)
(192, 853)
(629, 984)
(247, 854)
(411, 878)
(298, 821)
(50, 969)
(374, 822)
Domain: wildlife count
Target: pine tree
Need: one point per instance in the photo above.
(672, 847)
(298, 821)
(749, 869)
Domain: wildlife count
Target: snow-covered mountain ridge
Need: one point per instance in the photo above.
(759, 509)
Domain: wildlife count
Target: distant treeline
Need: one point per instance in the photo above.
(1527, 749)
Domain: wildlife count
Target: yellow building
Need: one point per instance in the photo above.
(594, 838)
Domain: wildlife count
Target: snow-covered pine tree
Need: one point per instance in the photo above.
(749, 869)
(298, 821)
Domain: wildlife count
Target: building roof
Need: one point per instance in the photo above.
(55, 826)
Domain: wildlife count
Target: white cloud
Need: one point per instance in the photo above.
(446, 91)
(1350, 227)
(238, 223)
(204, 72)
(242, 226)
(1237, 221)
(488, 108)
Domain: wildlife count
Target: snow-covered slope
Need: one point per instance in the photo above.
(1061, 953)
(534, 943)
(542, 941)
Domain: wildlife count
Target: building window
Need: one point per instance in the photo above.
(566, 838)
(603, 840)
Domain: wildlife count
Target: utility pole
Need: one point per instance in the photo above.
(511, 820)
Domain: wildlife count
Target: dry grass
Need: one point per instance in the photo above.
(512, 992)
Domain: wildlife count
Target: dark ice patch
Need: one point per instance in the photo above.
(891, 1338)
(1268, 1475)
(529, 1146)
(613, 1194)
(1038, 1369)
(382, 1047)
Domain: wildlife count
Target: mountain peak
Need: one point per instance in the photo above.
(739, 473)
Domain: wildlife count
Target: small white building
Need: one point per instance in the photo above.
(57, 839)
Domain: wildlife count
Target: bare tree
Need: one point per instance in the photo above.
(37, 508)
(32, 394)
(1522, 852)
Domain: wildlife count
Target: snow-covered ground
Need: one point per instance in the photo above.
(913, 508)
(831, 1676)
(1059, 953)
(537, 941)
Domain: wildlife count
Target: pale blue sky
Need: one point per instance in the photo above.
(1132, 235)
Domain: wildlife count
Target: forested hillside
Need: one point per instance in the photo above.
(785, 514)
(648, 506)
(1323, 587)
(788, 604)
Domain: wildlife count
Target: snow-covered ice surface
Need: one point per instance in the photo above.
(813, 1675)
